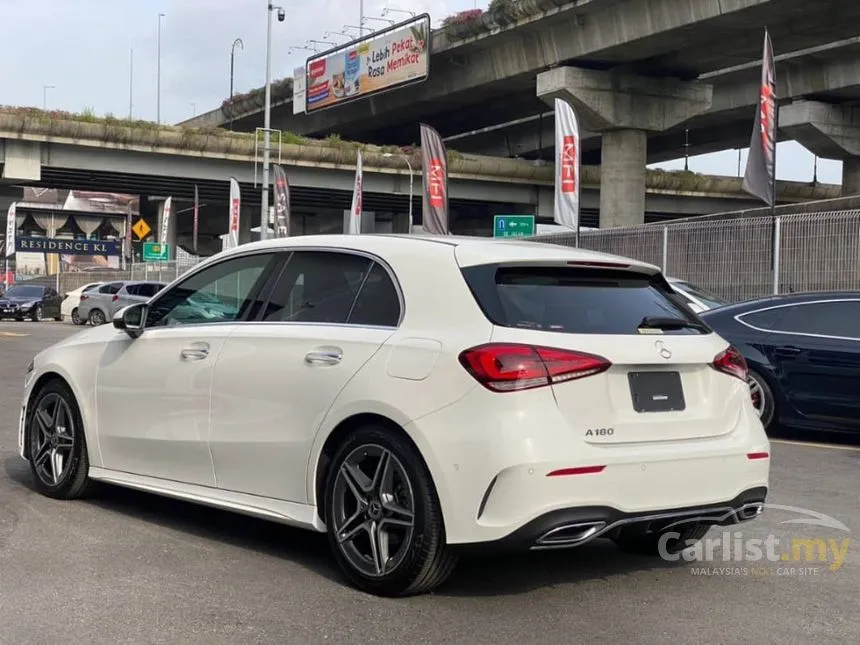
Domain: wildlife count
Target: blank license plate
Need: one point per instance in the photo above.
(656, 391)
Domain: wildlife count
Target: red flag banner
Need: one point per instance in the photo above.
(567, 165)
(760, 175)
(434, 162)
(282, 202)
(235, 213)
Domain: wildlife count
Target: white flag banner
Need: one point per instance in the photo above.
(11, 226)
(235, 211)
(355, 212)
(567, 166)
(165, 219)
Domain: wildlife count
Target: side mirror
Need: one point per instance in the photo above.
(131, 319)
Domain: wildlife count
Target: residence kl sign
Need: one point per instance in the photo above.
(66, 247)
(383, 60)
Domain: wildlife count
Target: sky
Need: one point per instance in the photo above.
(77, 54)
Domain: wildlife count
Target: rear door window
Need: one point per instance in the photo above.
(112, 287)
(840, 319)
(575, 300)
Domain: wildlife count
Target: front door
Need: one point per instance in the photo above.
(153, 392)
(276, 379)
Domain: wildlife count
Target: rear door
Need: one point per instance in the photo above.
(817, 356)
(661, 384)
(275, 379)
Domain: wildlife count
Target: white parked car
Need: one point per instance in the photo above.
(72, 299)
(696, 297)
(411, 396)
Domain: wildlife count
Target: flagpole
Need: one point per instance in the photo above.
(773, 235)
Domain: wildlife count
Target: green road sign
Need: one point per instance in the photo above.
(513, 225)
(155, 252)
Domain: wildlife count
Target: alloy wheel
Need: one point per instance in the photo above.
(374, 510)
(38, 313)
(52, 439)
(76, 318)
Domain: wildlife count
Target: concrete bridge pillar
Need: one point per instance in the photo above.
(624, 109)
(829, 131)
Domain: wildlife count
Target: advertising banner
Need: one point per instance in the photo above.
(434, 166)
(355, 210)
(11, 226)
(567, 165)
(196, 228)
(760, 175)
(380, 61)
(282, 202)
(165, 218)
(235, 211)
(70, 247)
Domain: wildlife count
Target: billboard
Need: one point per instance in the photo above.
(378, 62)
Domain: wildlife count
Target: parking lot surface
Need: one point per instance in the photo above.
(126, 567)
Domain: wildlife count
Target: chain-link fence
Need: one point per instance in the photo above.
(733, 258)
(151, 271)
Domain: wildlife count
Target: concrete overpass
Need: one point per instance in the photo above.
(155, 163)
(829, 73)
(600, 55)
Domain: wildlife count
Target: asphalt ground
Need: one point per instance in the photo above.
(126, 567)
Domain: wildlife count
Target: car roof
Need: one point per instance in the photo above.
(783, 299)
(470, 250)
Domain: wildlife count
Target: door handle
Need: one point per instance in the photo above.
(786, 351)
(327, 356)
(197, 352)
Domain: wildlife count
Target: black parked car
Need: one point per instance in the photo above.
(803, 352)
(30, 301)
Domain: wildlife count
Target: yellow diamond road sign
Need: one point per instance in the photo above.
(141, 229)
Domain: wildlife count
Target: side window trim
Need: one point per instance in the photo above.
(253, 294)
(740, 318)
(290, 253)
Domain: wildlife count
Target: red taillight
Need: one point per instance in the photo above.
(582, 470)
(84, 297)
(504, 367)
(757, 455)
(115, 298)
(731, 362)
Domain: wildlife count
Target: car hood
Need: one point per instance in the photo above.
(5, 302)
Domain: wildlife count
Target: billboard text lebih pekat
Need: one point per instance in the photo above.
(381, 61)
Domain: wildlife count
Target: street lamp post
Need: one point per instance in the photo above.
(239, 42)
(267, 122)
(158, 74)
(45, 89)
(411, 181)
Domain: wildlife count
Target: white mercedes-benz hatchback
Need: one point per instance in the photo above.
(412, 397)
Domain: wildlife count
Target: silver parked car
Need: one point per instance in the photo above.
(101, 304)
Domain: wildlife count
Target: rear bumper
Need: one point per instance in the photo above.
(491, 458)
(570, 527)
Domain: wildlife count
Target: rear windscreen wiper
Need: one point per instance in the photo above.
(658, 322)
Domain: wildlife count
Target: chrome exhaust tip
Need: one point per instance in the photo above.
(751, 511)
(569, 535)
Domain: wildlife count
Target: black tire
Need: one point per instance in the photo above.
(97, 317)
(73, 481)
(422, 559)
(649, 543)
(36, 316)
(58, 318)
(766, 405)
(76, 318)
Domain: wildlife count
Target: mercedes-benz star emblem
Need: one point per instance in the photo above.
(664, 351)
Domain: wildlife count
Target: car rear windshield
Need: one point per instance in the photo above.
(575, 300)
